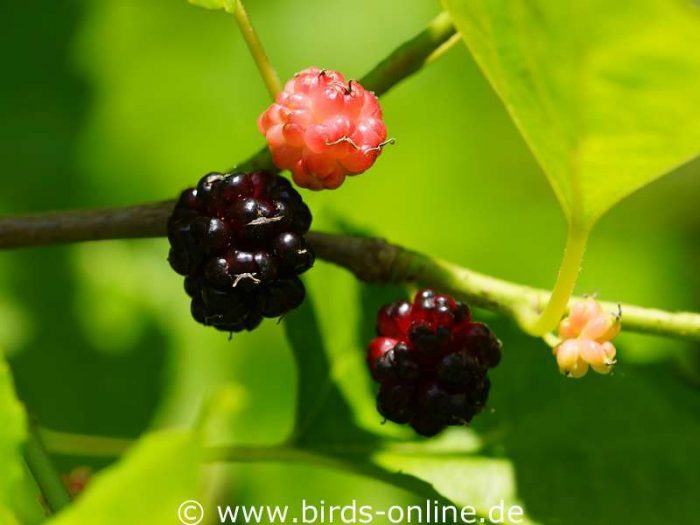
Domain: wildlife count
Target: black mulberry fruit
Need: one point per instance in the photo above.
(239, 241)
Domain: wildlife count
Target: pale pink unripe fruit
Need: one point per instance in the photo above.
(586, 336)
(601, 328)
(322, 128)
(581, 313)
(569, 359)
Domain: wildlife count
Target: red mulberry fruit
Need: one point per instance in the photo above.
(431, 361)
(323, 128)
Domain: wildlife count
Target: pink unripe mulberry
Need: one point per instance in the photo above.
(322, 128)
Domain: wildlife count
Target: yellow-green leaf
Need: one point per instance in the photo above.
(452, 465)
(606, 94)
(12, 435)
(228, 5)
(147, 486)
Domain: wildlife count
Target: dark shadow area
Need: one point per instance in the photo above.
(65, 384)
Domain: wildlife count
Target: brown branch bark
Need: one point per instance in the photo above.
(370, 259)
(145, 220)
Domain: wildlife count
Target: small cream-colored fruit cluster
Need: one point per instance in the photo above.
(586, 336)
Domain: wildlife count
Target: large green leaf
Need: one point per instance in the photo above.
(323, 415)
(228, 5)
(12, 435)
(459, 474)
(165, 465)
(605, 93)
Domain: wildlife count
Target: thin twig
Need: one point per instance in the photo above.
(370, 259)
(146, 220)
(44, 472)
(345, 458)
(411, 56)
(267, 72)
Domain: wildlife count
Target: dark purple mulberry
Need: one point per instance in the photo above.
(239, 240)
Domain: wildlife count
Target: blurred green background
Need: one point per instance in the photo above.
(114, 102)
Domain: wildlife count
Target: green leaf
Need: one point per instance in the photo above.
(605, 93)
(322, 415)
(12, 436)
(228, 5)
(147, 486)
(453, 467)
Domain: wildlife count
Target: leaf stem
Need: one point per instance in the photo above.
(44, 472)
(340, 457)
(267, 72)
(70, 444)
(569, 270)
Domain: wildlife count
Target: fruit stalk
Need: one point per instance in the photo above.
(66, 444)
(337, 458)
(267, 72)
